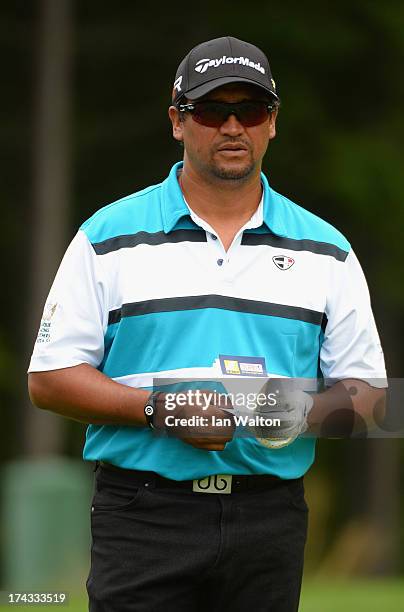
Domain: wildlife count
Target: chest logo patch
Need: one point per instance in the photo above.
(283, 262)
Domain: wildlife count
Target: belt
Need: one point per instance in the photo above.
(152, 479)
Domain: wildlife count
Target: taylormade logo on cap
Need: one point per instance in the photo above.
(202, 65)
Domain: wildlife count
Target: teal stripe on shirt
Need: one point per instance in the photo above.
(137, 448)
(184, 339)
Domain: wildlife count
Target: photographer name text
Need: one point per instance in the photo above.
(215, 421)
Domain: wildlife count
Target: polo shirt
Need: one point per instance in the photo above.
(146, 290)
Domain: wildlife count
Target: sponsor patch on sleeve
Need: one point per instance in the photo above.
(44, 334)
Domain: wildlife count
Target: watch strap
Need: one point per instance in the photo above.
(150, 408)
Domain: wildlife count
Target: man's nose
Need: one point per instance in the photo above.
(232, 126)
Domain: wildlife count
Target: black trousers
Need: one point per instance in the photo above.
(169, 550)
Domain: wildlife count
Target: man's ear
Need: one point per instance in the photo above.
(177, 124)
(272, 124)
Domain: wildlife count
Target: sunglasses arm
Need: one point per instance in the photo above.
(186, 107)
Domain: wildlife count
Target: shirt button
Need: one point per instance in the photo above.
(213, 237)
(219, 262)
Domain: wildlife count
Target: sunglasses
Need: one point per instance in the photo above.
(214, 114)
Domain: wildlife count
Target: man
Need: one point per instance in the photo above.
(209, 273)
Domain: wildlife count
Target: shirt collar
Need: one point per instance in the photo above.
(255, 220)
(173, 205)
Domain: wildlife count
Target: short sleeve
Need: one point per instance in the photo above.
(75, 316)
(351, 347)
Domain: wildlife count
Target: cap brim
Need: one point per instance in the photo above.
(202, 90)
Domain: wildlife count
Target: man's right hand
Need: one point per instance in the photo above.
(197, 418)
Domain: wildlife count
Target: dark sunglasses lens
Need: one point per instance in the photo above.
(209, 114)
(214, 114)
(253, 113)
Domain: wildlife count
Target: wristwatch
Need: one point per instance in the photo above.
(150, 408)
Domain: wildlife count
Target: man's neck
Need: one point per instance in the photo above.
(222, 203)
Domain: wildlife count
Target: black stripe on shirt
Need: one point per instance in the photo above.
(132, 240)
(194, 302)
(185, 235)
(314, 246)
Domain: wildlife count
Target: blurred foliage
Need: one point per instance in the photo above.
(338, 150)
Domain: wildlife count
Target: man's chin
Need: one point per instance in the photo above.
(232, 172)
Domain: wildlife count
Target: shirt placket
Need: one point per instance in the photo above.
(224, 262)
(222, 258)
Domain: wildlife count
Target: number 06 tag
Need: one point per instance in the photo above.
(218, 483)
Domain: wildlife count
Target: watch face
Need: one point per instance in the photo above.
(149, 410)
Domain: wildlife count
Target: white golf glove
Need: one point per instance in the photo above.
(291, 409)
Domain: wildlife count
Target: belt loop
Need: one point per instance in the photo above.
(96, 466)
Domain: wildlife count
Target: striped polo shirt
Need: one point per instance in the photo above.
(146, 290)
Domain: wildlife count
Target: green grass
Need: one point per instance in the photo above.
(317, 596)
(74, 605)
(352, 596)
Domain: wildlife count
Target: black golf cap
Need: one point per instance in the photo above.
(218, 62)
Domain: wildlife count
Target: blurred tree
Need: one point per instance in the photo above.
(43, 432)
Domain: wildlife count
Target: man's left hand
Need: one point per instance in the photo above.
(290, 412)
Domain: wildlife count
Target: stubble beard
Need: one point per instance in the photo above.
(236, 173)
(232, 174)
